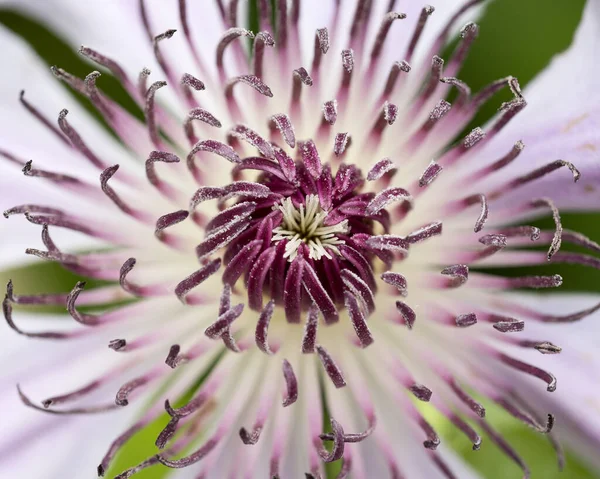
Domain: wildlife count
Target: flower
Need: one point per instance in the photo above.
(319, 239)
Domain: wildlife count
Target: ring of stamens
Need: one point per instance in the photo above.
(304, 224)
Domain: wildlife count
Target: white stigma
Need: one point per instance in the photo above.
(305, 225)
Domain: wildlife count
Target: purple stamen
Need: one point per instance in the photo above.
(408, 315)
(201, 115)
(262, 329)
(77, 142)
(164, 157)
(359, 289)
(82, 318)
(117, 444)
(318, 294)
(105, 176)
(7, 311)
(94, 95)
(425, 13)
(459, 274)
(385, 197)
(529, 369)
(309, 337)
(150, 114)
(331, 368)
(393, 76)
(466, 320)
(223, 322)
(291, 384)
(321, 47)
(430, 174)
(262, 40)
(425, 232)
(285, 127)
(433, 440)
(195, 279)
(342, 140)
(506, 448)
(422, 393)
(337, 450)
(384, 29)
(381, 168)
(143, 82)
(467, 430)
(358, 320)
(39, 116)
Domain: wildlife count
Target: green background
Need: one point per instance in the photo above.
(517, 37)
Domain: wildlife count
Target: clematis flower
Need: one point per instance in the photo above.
(293, 240)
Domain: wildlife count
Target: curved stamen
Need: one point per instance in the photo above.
(262, 328)
(76, 140)
(291, 384)
(384, 29)
(331, 368)
(425, 13)
(195, 279)
(150, 114)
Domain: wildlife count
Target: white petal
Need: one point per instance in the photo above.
(575, 402)
(561, 121)
(35, 444)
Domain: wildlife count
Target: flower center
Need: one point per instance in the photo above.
(305, 224)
